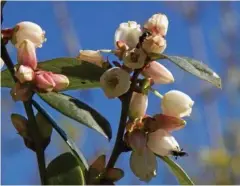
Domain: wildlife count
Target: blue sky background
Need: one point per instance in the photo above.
(91, 25)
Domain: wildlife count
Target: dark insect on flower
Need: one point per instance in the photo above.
(142, 38)
(180, 153)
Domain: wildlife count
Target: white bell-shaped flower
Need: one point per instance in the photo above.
(134, 58)
(162, 143)
(28, 31)
(115, 82)
(177, 104)
(157, 24)
(129, 33)
(138, 105)
(143, 165)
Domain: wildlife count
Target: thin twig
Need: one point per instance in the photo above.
(32, 126)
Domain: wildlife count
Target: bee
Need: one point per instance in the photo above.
(142, 38)
(180, 153)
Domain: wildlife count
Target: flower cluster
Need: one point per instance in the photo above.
(26, 37)
(147, 136)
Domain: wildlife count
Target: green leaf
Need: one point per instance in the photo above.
(181, 175)
(194, 67)
(66, 169)
(73, 147)
(44, 125)
(79, 111)
(82, 75)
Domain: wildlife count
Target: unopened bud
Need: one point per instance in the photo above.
(44, 81)
(177, 104)
(154, 44)
(20, 123)
(157, 24)
(24, 74)
(61, 81)
(91, 56)
(162, 143)
(128, 33)
(28, 31)
(134, 58)
(138, 105)
(26, 54)
(158, 73)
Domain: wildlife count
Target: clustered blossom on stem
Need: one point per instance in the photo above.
(146, 135)
(26, 37)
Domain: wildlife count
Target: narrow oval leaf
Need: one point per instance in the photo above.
(194, 67)
(78, 111)
(65, 170)
(180, 174)
(73, 147)
(81, 74)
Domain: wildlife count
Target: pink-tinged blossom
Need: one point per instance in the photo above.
(44, 81)
(28, 31)
(26, 54)
(157, 24)
(158, 73)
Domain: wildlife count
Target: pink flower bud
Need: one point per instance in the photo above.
(44, 81)
(26, 54)
(177, 104)
(61, 81)
(20, 123)
(21, 92)
(24, 74)
(154, 44)
(91, 56)
(162, 143)
(158, 73)
(157, 24)
(138, 105)
(30, 31)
